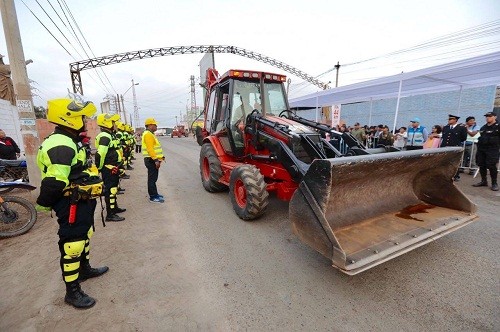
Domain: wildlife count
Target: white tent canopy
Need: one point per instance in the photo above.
(479, 71)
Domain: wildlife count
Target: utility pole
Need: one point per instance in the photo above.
(337, 66)
(136, 109)
(22, 91)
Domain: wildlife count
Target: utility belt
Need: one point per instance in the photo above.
(87, 188)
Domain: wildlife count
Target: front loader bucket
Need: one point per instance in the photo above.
(361, 211)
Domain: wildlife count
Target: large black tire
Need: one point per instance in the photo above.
(248, 192)
(210, 169)
(19, 219)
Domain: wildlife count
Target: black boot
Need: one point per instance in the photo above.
(87, 272)
(114, 217)
(494, 186)
(76, 297)
(118, 210)
(483, 183)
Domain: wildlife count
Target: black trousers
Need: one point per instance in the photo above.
(110, 181)
(138, 148)
(487, 159)
(152, 176)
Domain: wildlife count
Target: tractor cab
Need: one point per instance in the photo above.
(236, 95)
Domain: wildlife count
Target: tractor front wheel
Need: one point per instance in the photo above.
(248, 192)
(210, 169)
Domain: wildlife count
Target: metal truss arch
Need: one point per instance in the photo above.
(77, 67)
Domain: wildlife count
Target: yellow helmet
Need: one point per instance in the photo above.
(120, 125)
(106, 120)
(150, 121)
(69, 113)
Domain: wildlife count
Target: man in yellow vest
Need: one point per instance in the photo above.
(153, 156)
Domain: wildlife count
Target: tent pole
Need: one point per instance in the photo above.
(317, 110)
(370, 117)
(397, 104)
(459, 100)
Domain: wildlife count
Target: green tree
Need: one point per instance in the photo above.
(40, 112)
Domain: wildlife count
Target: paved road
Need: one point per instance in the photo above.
(261, 276)
(192, 264)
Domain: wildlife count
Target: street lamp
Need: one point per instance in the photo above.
(135, 102)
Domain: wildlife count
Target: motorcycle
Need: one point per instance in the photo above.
(13, 170)
(17, 215)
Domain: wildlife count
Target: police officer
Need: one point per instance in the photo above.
(68, 188)
(107, 160)
(454, 134)
(153, 156)
(488, 151)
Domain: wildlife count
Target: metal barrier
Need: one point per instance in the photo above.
(468, 160)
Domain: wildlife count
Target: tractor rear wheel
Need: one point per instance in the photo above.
(248, 192)
(210, 169)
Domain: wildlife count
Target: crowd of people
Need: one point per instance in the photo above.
(73, 178)
(481, 144)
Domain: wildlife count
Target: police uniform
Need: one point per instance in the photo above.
(488, 153)
(69, 188)
(453, 136)
(107, 160)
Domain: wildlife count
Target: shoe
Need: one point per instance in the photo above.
(119, 210)
(121, 189)
(120, 192)
(114, 217)
(76, 297)
(456, 178)
(494, 187)
(481, 184)
(160, 196)
(125, 176)
(130, 168)
(87, 272)
(156, 199)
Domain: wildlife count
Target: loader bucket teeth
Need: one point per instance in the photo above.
(361, 211)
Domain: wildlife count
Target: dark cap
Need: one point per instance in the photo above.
(469, 118)
(453, 116)
(490, 114)
(356, 124)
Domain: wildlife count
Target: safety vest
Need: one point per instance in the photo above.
(107, 150)
(157, 147)
(416, 136)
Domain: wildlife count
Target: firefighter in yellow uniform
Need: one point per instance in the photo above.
(107, 160)
(153, 156)
(70, 189)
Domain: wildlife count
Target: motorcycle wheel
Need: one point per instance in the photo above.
(17, 216)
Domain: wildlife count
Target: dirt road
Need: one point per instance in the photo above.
(191, 264)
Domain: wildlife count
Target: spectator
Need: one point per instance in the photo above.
(385, 138)
(417, 135)
(359, 133)
(434, 139)
(8, 147)
(488, 151)
(400, 138)
(469, 160)
(454, 134)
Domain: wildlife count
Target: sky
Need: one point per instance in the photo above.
(370, 39)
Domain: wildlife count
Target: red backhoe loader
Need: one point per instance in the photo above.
(253, 145)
